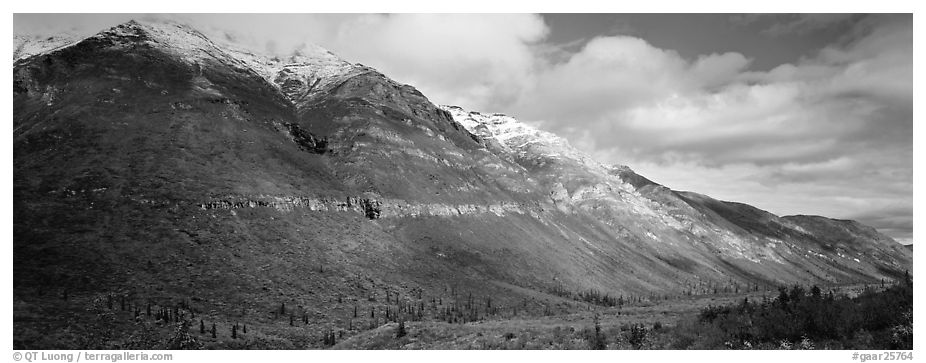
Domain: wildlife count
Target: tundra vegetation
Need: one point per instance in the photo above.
(794, 317)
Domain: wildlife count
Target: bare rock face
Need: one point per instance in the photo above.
(560, 197)
(306, 140)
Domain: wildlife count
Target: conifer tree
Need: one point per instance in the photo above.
(400, 331)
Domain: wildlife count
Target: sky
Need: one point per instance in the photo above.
(791, 113)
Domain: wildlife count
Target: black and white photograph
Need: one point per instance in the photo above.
(485, 181)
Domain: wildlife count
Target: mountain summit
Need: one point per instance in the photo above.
(157, 167)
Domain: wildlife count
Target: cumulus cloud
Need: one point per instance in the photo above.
(481, 60)
(649, 101)
(718, 69)
(829, 134)
(588, 84)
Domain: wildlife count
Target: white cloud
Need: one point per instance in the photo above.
(480, 61)
(649, 101)
(608, 73)
(718, 69)
(828, 135)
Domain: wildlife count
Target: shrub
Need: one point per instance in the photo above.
(872, 320)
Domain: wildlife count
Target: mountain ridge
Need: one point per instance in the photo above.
(511, 139)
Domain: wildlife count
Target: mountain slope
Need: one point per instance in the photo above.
(747, 243)
(154, 165)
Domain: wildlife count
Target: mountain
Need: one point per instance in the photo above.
(156, 167)
(688, 229)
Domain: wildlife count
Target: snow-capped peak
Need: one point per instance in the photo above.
(519, 137)
(311, 69)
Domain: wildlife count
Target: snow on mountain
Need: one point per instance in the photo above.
(597, 182)
(301, 75)
(613, 193)
(25, 46)
(522, 139)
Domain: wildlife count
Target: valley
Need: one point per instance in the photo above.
(165, 183)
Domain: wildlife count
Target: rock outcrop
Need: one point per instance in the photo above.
(369, 207)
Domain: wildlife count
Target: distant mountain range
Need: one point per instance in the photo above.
(154, 162)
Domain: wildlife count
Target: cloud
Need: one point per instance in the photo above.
(78, 25)
(895, 221)
(588, 83)
(780, 25)
(480, 60)
(718, 69)
(829, 134)
(651, 102)
(798, 24)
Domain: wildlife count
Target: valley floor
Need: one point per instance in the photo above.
(106, 323)
(566, 331)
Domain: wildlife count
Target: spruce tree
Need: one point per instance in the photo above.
(400, 331)
(598, 343)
